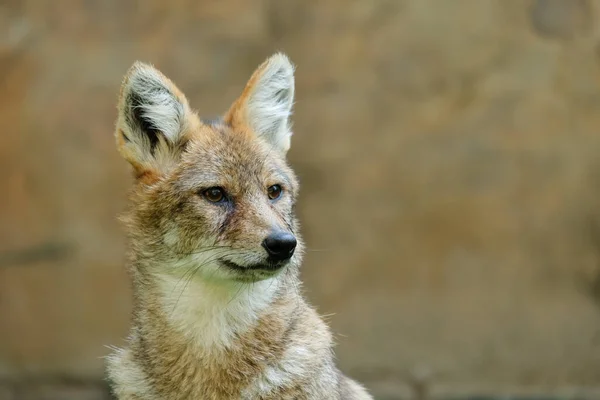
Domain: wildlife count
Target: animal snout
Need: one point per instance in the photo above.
(280, 245)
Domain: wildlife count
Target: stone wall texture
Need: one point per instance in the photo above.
(449, 154)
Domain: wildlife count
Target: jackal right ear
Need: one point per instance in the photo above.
(265, 106)
(153, 118)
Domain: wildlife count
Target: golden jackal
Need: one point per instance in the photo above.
(215, 250)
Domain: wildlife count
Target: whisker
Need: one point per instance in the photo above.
(202, 250)
(191, 276)
(236, 293)
(192, 271)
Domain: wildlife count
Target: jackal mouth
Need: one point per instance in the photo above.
(262, 267)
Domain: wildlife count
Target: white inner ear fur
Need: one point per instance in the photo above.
(158, 105)
(150, 111)
(270, 103)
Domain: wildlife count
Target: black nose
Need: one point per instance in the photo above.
(280, 245)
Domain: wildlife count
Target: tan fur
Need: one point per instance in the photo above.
(201, 330)
(237, 113)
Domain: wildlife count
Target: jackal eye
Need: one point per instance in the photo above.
(274, 192)
(214, 194)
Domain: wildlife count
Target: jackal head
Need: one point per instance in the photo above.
(211, 199)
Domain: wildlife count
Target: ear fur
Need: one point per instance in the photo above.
(153, 118)
(265, 106)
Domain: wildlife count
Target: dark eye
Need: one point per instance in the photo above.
(274, 192)
(214, 194)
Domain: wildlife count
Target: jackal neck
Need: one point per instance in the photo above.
(212, 315)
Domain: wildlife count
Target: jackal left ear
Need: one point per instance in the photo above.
(265, 106)
(153, 119)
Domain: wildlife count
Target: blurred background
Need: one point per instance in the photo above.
(450, 161)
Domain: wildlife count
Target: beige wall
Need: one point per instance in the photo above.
(448, 154)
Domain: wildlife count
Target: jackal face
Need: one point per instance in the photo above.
(211, 199)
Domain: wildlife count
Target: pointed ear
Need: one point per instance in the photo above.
(265, 106)
(153, 119)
